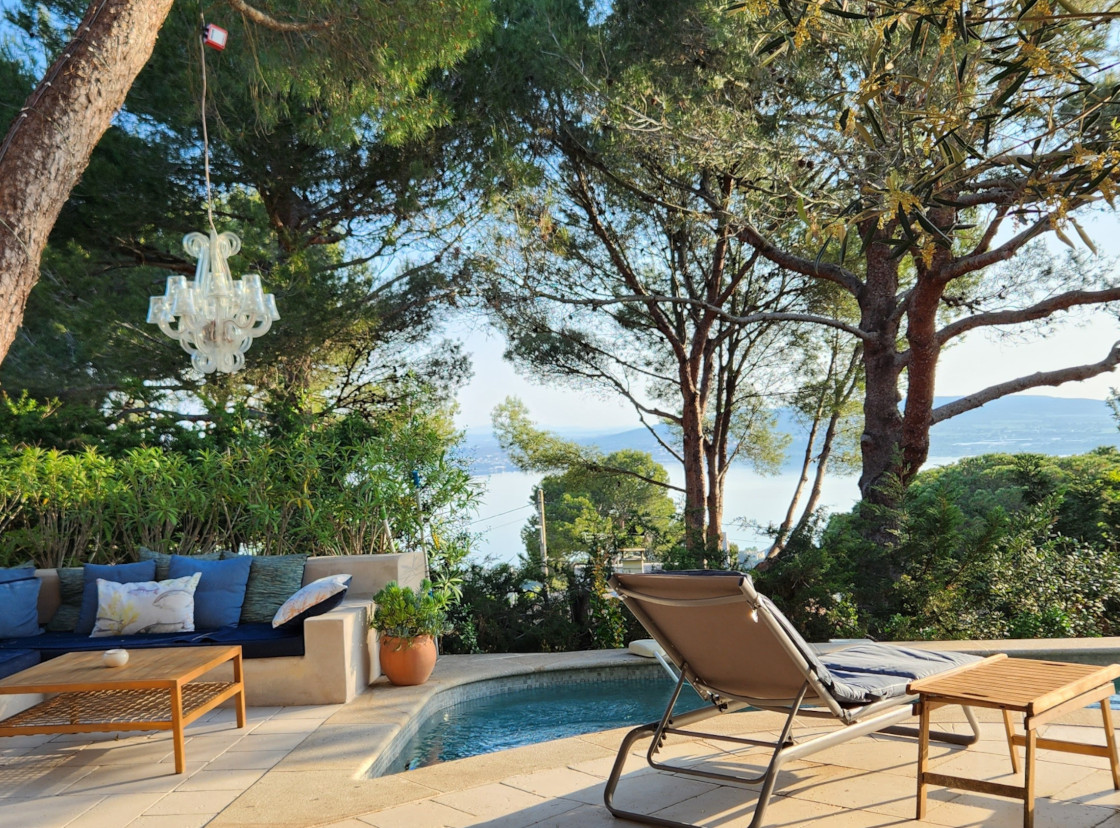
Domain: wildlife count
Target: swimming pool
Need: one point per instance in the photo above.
(511, 718)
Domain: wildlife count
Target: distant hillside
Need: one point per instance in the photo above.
(1047, 425)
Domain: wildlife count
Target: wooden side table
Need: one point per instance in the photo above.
(1041, 691)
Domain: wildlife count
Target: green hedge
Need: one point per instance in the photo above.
(326, 491)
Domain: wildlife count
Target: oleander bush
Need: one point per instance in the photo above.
(335, 488)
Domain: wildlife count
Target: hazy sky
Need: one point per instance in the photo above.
(977, 362)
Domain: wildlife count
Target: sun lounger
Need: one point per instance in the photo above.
(737, 649)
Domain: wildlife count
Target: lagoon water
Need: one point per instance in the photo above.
(753, 501)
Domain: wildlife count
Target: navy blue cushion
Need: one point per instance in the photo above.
(19, 608)
(221, 589)
(117, 573)
(14, 661)
(256, 640)
(869, 672)
(16, 573)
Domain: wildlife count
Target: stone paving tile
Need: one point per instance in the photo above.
(268, 741)
(115, 810)
(650, 792)
(585, 816)
(550, 809)
(140, 753)
(426, 813)
(880, 793)
(37, 775)
(247, 759)
(52, 813)
(131, 779)
(281, 724)
(192, 802)
(727, 806)
(225, 780)
(170, 821)
(968, 810)
(106, 736)
(314, 712)
(496, 800)
(564, 782)
(1051, 776)
(1093, 788)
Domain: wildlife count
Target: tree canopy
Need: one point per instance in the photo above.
(326, 173)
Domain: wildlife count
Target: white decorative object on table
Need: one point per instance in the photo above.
(115, 658)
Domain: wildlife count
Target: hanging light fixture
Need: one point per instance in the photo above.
(218, 317)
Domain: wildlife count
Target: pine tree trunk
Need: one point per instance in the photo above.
(695, 499)
(882, 427)
(50, 141)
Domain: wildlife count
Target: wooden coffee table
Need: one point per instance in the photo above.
(1041, 691)
(156, 690)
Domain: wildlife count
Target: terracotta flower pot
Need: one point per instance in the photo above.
(408, 661)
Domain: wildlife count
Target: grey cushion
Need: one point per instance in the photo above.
(273, 579)
(71, 582)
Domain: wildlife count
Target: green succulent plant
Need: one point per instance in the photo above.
(403, 613)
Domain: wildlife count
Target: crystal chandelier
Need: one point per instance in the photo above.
(219, 317)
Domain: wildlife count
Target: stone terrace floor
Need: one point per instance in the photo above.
(298, 767)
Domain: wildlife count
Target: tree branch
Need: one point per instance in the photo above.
(807, 267)
(266, 20)
(1039, 310)
(1058, 377)
(972, 263)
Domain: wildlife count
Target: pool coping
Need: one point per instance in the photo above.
(326, 778)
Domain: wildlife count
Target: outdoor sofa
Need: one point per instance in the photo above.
(323, 660)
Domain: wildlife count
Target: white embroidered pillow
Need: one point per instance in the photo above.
(314, 599)
(145, 606)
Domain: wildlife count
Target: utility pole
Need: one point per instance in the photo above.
(544, 537)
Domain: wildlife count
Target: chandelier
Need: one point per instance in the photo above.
(219, 317)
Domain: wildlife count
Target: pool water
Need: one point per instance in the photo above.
(513, 718)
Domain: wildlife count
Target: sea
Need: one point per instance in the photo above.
(754, 502)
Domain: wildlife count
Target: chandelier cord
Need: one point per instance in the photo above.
(205, 135)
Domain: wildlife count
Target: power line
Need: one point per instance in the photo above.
(490, 529)
(499, 514)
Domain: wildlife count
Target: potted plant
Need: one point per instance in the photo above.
(408, 622)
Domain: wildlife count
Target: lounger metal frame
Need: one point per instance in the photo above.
(812, 700)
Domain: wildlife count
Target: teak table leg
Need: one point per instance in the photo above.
(177, 727)
(239, 680)
(1028, 782)
(923, 755)
(1110, 740)
(1009, 729)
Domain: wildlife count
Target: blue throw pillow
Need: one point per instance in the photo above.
(19, 608)
(221, 590)
(118, 574)
(17, 573)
